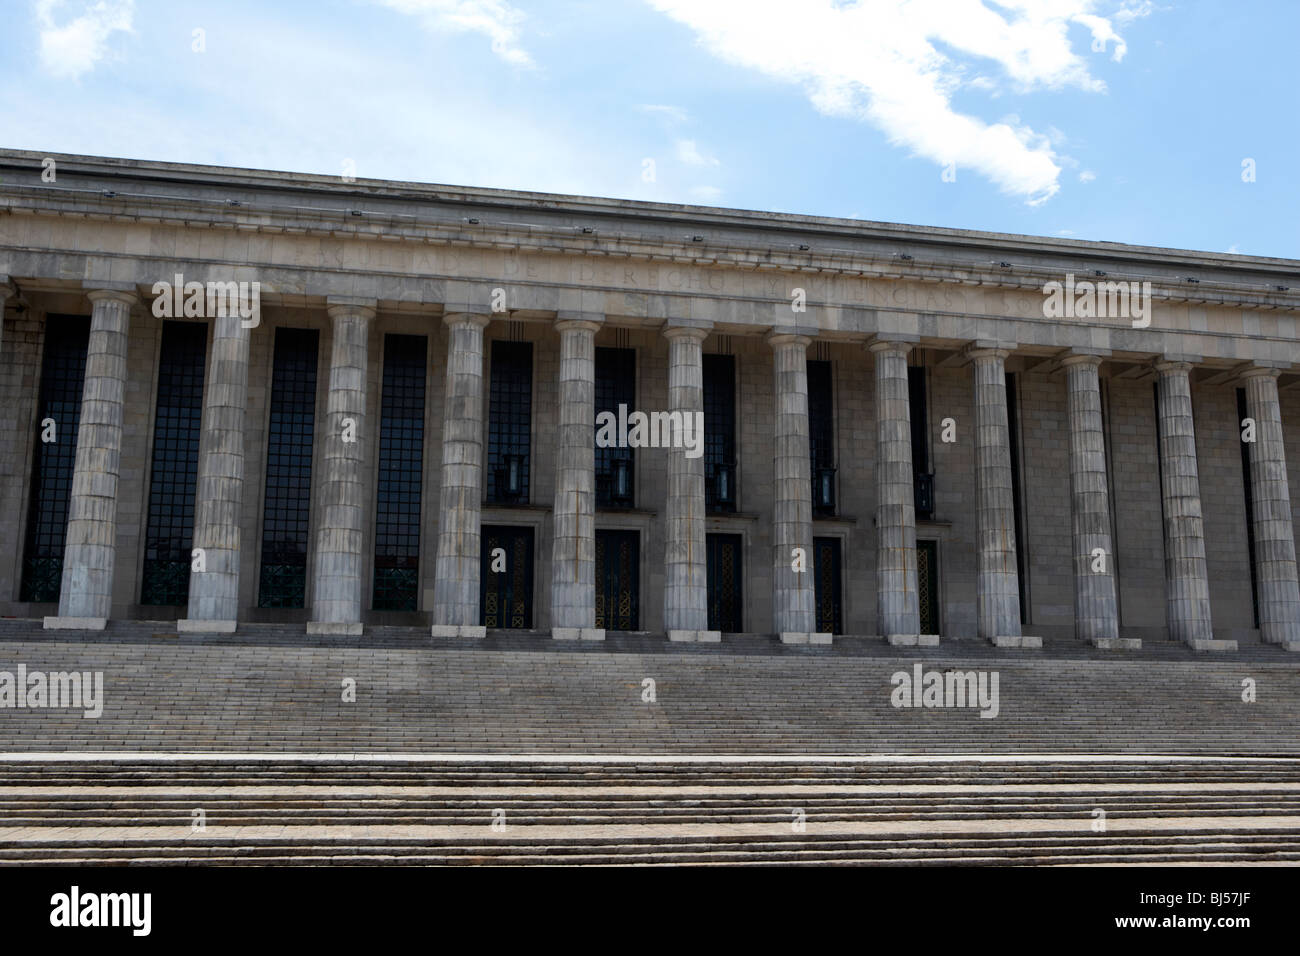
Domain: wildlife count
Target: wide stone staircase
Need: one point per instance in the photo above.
(393, 747)
(314, 810)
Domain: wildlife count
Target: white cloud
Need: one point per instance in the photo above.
(495, 18)
(706, 194)
(74, 36)
(882, 63)
(689, 153)
(673, 115)
(1087, 176)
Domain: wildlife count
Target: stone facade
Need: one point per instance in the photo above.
(1107, 496)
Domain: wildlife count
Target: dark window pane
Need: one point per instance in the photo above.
(510, 412)
(63, 375)
(401, 454)
(615, 385)
(719, 432)
(175, 469)
(287, 509)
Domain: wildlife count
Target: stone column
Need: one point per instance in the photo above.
(1096, 610)
(997, 576)
(1187, 587)
(686, 599)
(898, 612)
(336, 584)
(1275, 561)
(218, 502)
(86, 595)
(573, 554)
(793, 616)
(456, 587)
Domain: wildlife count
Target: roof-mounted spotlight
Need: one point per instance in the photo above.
(1190, 279)
(905, 256)
(108, 194)
(1005, 265)
(697, 238)
(472, 221)
(803, 247)
(1283, 288)
(355, 212)
(1099, 272)
(587, 230)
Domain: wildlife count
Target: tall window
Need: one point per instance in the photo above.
(922, 477)
(1247, 480)
(615, 385)
(510, 416)
(175, 471)
(821, 436)
(287, 509)
(401, 456)
(63, 375)
(720, 432)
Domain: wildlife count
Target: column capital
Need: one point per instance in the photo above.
(470, 319)
(1173, 364)
(1260, 371)
(698, 329)
(566, 321)
(1082, 358)
(891, 342)
(345, 306)
(778, 337)
(124, 292)
(978, 351)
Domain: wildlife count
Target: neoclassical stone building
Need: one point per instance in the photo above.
(902, 437)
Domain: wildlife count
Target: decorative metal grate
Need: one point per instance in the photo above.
(826, 578)
(927, 585)
(63, 377)
(615, 385)
(725, 582)
(401, 460)
(618, 590)
(286, 514)
(719, 432)
(506, 588)
(175, 470)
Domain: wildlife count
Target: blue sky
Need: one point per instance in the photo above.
(1123, 120)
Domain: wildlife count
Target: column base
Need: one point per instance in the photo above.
(1117, 643)
(912, 640)
(578, 633)
(804, 637)
(189, 625)
(474, 631)
(1292, 646)
(335, 628)
(701, 637)
(1206, 644)
(1022, 641)
(75, 623)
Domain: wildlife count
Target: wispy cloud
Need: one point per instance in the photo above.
(496, 19)
(689, 153)
(672, 115)
(882, 63)
(74, 36)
